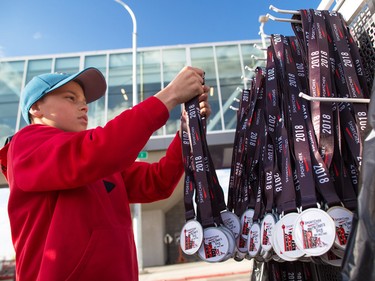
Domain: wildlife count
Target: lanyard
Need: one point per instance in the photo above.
(237, 196)
(200, 171)
(320, 85)
(286, 197)
(273, 185)
(203, 196)
(189, 184)
(347, 86)
(302, 158)
(238, 150)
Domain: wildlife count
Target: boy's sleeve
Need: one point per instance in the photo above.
(45, 158)
(148, 182)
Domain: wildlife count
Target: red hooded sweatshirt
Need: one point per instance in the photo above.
(70, 193)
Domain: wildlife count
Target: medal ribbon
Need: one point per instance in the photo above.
(203, 196)
(286, 197)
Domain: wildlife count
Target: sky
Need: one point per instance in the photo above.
(40, 27)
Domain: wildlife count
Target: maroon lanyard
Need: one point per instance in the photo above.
(237, 194)
(301, 149)
(286, 198)
(189, 184)
(320, 85)
(257, 171)
(238, 149)
(347, 86)
(203, 196)
(273, 115)
(347, 67)
(200, 171)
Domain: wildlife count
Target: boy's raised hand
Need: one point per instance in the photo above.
(188, 83)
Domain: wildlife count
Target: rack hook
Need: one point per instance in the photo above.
(277, 10)
(257, 58)
(259, 47)
(249, 68)
(283, 19)
(263, 19)
(324, 99)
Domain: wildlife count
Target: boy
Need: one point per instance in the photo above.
(70, 187)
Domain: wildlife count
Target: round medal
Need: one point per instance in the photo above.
(284, 241)
(246, 222)
(231, 240)
(277, 258)
(267, 255)
(314, 232)
(343, 221)
(266, 230)
(338, 252)
(215, 246)
(232, 222)
(253, 240)
(331, 259)
(191, 237)
(238, 256)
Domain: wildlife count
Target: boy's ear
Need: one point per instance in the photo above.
(35, 111)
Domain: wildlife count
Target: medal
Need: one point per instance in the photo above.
(231, 241)
(232, 222)
(338, 252)
(215, 246)
(267, 228)
(314, 232)
(331, 259)
(284, 240)
(246, 222)
(238, 256)
(343, 223)
(253, 240)
(191, 237)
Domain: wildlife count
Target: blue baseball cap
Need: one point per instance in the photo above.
(90, 79)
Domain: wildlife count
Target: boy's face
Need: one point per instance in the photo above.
(64, 108)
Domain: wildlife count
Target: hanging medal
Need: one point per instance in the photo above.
(191, 236)
(285, 193)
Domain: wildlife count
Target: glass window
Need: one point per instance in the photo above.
(97, 108)
(67, 65)
(36, 67)
(150, 74)
(230, 72)
(10, 87)
(173, 61)
(203, 57)
(119, 84)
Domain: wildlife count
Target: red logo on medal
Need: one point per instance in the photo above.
(289, 244)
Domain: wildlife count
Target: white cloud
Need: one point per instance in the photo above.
(37, 35)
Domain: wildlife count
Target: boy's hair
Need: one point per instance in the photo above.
(90, 79)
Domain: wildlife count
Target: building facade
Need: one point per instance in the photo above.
(227, 67)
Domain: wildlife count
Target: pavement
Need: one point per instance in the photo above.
(199, 271)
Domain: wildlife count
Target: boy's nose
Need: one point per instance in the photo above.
(83, 106)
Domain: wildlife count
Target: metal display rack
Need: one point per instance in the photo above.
(360, 18)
